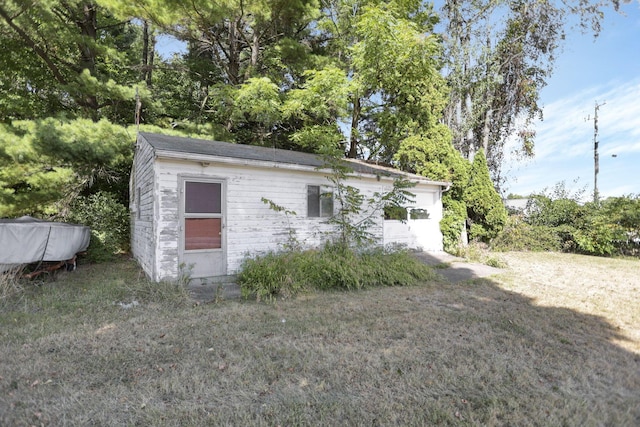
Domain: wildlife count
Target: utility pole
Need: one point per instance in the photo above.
(596, 157)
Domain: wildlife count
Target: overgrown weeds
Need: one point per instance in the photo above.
(10, 285)
(559, 221)
(333, 267)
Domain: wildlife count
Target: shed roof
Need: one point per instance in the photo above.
(163, 144)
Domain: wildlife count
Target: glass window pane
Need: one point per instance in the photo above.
(202, 197)
(202, 233)
(419, 213)
(326, 204)
(397, 213)
(313, 200)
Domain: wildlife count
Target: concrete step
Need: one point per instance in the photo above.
(214, 288)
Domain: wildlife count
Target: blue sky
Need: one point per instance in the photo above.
(607, 71)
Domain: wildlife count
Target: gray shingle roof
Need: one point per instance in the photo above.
(177, 144)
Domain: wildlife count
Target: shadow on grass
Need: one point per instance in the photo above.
(469, 353)
(455, 269)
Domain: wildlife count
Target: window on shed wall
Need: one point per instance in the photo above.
(419, 213)
(319, 201)
(395, 213)
(402, 214)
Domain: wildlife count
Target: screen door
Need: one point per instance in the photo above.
(202, 227)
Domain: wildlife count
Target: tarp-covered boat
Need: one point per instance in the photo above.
(26, 240)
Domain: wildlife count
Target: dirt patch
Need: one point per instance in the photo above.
(455, 269)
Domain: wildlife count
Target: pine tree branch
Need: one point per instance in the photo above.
(33, 45)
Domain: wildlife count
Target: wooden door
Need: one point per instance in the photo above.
(202, 227)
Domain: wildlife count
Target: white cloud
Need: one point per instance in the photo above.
(564, 142)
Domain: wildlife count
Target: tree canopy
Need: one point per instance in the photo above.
(360, 78)
(499, 54)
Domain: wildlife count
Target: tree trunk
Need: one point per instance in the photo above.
(486, 131)
(145, 50)
(152, 57)
(355, 119)
(470, 147)
(234, 53)
(87, 23)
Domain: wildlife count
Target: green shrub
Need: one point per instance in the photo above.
(598, 235)
(558, 220)
(452, 223)
(286, 274)
(554, 212)
(109, 223)
(623, 214)
(485, 209)
(517, 235)
(272, 275)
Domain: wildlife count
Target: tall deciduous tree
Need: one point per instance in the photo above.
(389, 53)
(235, 49)
(499, 55)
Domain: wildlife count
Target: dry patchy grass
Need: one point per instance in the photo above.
(435, 354)
(592, 285)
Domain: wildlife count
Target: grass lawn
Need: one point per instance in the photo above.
(553, 340)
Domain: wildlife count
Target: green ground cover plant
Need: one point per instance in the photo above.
(551, 341)
(333, 267)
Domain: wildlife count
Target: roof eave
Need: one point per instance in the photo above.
(208, 158)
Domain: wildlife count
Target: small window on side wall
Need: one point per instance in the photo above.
(397, 213)
(419, 213)
(319, 201)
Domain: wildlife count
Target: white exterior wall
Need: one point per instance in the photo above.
(141, 205)
(250, 226)
(421, 234)
(167, 221)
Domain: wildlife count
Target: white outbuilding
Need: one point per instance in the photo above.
(199, 205)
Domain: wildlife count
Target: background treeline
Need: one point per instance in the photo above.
(557, 220)
(392, 81)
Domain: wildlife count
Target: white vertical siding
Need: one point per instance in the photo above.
(167, 220)
(141, 203)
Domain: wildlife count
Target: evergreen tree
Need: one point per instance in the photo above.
(485, 210)
(72, 57)
(45, 164)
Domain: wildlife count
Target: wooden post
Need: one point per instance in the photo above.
(596, 157)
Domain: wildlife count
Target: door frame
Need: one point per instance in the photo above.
(182, 179)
